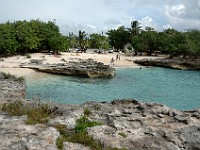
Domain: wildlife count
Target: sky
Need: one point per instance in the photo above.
(95, 16)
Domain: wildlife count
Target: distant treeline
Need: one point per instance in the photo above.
(37, 36)
(169, 41)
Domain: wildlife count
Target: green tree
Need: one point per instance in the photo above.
(26, 37)
(58, 43)
(193, 42)
(98, 41)
(73, 40)
(118, 37)
(8, 43)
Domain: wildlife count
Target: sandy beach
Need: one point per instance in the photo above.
(11, 64)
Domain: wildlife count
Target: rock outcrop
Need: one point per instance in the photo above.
(11, 87)
(125, 124)
(83, 68)
(176, 63)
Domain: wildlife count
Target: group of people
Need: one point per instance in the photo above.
(112, 60)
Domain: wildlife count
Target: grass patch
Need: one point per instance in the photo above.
(59, 142)
(37, 113)
(122, 134)
(10, 76)
(97, 107)
(84, 123)
(87, 112)
(16, 108)
(80, 135)
(28, 56)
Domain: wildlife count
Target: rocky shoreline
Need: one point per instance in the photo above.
(125, 124)
(82, 68)
(175, 63)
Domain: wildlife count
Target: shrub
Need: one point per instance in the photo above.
(63, 60)
(28, 56)
(59, 142)
(122, 134)
(62, 129)
(85, 139)
(83, 123)
(16, 108)
(39, 113)
(97, 107)
(9, 76)
(87, 112)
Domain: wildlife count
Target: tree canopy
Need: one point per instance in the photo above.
(32, 36)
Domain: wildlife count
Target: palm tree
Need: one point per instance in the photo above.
(82, 40)
(134, 30)
(135, 27)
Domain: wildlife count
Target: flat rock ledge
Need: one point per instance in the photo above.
(175, 63)
(125, 124)
(82, 68)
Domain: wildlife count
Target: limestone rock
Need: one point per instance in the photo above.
(176, 63)
(74, 146)
(83, 68)
(11, 89)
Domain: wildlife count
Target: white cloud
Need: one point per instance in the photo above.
(175, 10)
(112, 21)
(167, 26)
(184, 15)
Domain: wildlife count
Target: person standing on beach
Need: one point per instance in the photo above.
(112, 61)
(117, 56)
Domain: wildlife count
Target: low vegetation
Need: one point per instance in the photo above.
(28, 56)
(80, 135)
(36, 113)
(10, 76)
(87, 112)
(122, 134)
(97, 107)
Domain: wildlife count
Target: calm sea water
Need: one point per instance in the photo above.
(175, 88)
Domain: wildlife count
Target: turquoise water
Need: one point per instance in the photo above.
(175, 88)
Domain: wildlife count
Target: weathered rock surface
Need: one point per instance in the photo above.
(14, 134)
(126, 124)
(176, 63)
(83, 68)
(10, 89)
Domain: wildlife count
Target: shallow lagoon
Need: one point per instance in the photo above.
(175, 88)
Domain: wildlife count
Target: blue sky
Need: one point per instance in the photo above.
(101, 15)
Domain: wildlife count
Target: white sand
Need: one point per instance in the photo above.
(11, 64)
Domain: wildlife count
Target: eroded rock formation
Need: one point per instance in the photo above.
(176, 63)
(83, 68)
(125, 124)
